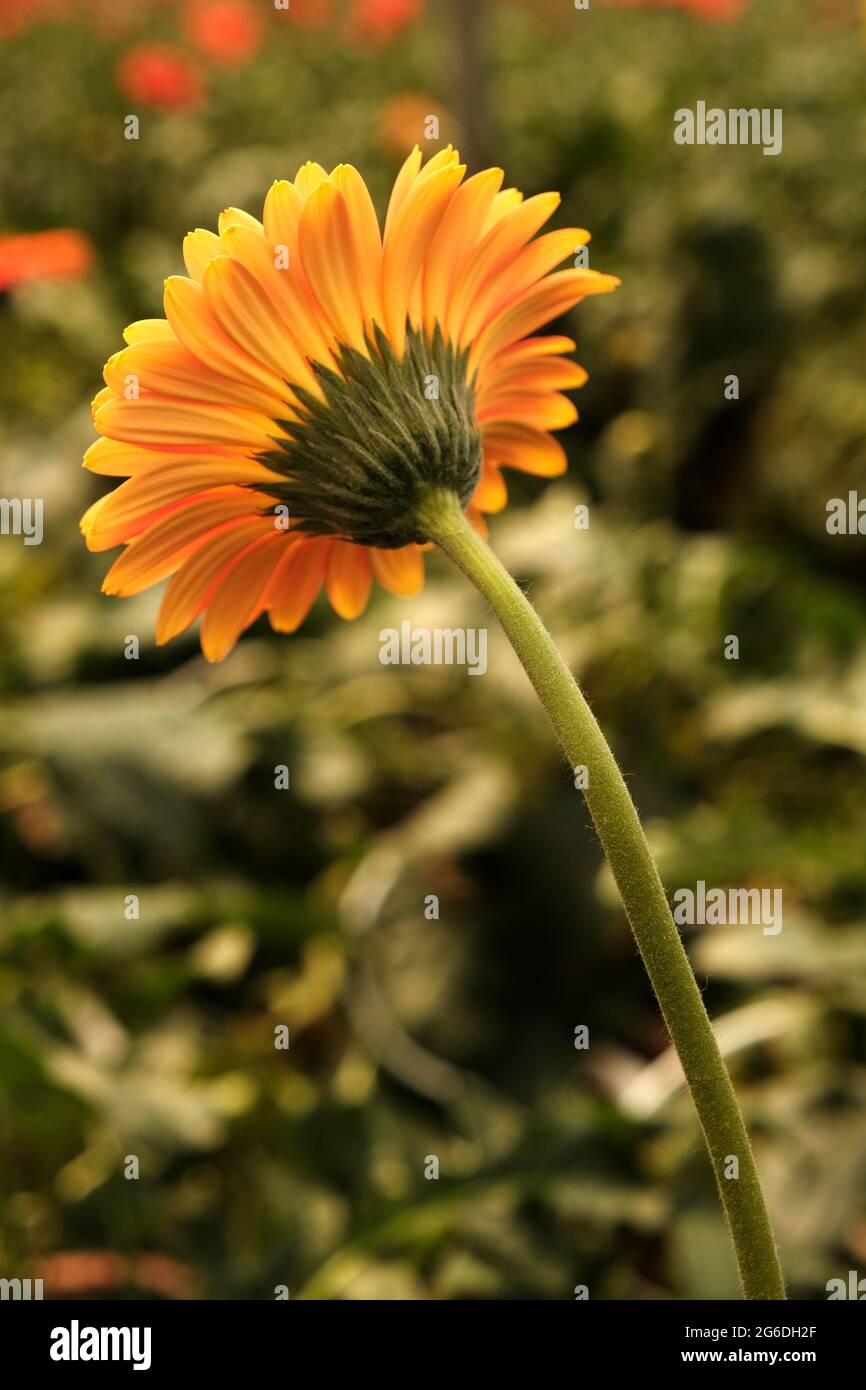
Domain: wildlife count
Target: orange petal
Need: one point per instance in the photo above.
(168, 542)
(164, 422)
(406, 243)
(297, 583)
(545, 346)
(530, 265)
(491, 494)
(532, 374)
(247, 314)
(455, 239)
(121, 511)
(527, 449)
(191, 586)
(349, 578)
(535, 306)
(403, 182)
(546, 410)
(497, 248)
(327, 251)
(118, 460)
(239, 597)
(286, 286)
(169, 369)
(197, 328)
(367, 238)
(400, 571)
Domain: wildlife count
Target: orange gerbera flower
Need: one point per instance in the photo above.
(312, 376)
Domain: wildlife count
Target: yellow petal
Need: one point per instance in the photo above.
(199, 249)
(403, 182)
(283, 207)
(197, 328)
(248, 315)
(366, 236)
(118, 460)
(407, 241)
(146, 329)
(455, 239)
(166, 423)
(308, 178)
(327, 251)
(286, 287)
(236, 217)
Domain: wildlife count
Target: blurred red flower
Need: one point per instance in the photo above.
(382, 20)
(724, 10)
(308, 14)
(61, 254)
(16, 15)
(156, 74)
(715, 9)
(229, 32)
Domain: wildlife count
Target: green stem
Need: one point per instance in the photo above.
(637, 878)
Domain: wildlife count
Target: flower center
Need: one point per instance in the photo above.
(388, 428)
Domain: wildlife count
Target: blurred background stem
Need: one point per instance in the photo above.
(640, 886)
(469, 69)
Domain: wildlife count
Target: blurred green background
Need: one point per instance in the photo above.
(452, 1038)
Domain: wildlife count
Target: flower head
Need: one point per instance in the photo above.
(313, 375)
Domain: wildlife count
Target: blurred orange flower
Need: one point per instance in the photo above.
(228, 32)
(16, 15)
(61, 254)
(382, 20)
(402, 120)
(308, 14)
(723, 10)
(156, 74)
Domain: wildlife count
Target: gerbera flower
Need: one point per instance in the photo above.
(312, 376)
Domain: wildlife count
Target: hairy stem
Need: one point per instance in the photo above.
(637, 878)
